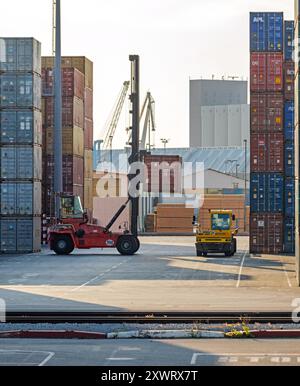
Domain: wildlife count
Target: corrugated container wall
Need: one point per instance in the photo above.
(296, 136)
(266, 31)
(268, 74)
(77, 121)
(20, 145)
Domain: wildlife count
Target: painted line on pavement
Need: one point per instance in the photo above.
(241, 270)
(99, 276)
(252, 358)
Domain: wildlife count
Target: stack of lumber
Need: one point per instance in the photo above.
(174, 218)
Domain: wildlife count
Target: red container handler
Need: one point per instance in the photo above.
(267, 111)
(266, 235)
(266, 72)
(267, 153)
(289, 80)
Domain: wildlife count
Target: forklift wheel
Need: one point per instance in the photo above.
(63, 245)
(128, 245)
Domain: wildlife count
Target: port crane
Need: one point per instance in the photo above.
(147, 116)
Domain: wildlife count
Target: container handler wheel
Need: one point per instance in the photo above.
(63, 245)
(128, 245)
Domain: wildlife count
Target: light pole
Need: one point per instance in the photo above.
(165, 143)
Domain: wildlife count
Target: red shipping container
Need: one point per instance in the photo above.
(267, 112)
(289, 78)
(267, 152)
(162, 179)
(274, 72)
(266, 233)
(258, 65)
(72, 82)
(72, 112)
(266, 72)
(73, 170)
(88, 103)
(88, 134)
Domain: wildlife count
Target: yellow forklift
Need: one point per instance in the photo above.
(221, 237)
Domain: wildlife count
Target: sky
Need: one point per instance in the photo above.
(176, 40)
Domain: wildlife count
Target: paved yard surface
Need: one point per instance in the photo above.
(165, 275)
(150, 353)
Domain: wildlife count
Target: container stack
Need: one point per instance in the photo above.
(77, 126)
(296, 133)
(267, 132)
(289, 75)
(20, 145)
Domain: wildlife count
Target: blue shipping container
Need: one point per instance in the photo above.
(21, 127)
(289, 156)
(22, 90)
(266, 31)
(20, 55)
(289, 235)
(267, 192)
(289, 116)
(288, 39)
(289, 197)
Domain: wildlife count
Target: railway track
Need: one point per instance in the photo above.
(148, 317)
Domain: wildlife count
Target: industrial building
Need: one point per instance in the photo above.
(219, 113)
(222, 177)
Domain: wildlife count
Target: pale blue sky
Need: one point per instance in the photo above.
(176, 39)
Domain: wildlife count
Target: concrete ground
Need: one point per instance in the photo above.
(150, 353)
(166, 275)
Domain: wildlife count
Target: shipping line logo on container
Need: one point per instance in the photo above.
(2, 51)
(2, 311)
(178, 180)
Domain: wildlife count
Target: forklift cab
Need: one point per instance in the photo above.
(71, 208)
(222, 220)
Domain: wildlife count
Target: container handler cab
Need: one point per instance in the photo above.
(73, 231)
(221, 237)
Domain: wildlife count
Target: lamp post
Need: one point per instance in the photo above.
(165, 143)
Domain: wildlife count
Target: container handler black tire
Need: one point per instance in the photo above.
(235, 245)
(63, 245)
(128, 245)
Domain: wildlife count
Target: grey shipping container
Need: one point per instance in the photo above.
(21, 163)
(21, 199)
(21, 127)
(20, 235)
(20, 91)
(20, 55)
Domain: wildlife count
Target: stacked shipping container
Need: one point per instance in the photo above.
(77, 123)
(267, 132)
(296, 136)
(272, 134)
(289, 183)
(20, 145)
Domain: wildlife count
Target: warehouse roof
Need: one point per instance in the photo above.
(222, 159)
